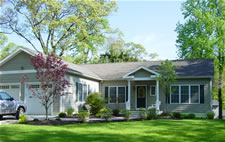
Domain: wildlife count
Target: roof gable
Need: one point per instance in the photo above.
(13, 54)
(128, 75)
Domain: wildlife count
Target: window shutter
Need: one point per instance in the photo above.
(106, 93)
(168, 98)
(77, 91)
(126, 93)
(201, 94)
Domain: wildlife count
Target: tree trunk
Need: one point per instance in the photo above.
(220, 96)
(46, 111)
(167, 99)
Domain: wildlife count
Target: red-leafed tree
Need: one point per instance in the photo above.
(51, 73)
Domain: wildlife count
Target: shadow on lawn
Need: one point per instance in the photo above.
(144, 131)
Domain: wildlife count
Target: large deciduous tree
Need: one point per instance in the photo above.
(51, 73)
(5, 47)
(202, 35)
(57, 25)
(167, 76)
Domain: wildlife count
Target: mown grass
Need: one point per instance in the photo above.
(139, 131)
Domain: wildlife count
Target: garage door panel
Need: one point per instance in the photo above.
(34, 105)
(12, 89)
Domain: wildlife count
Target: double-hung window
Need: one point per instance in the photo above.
(117, 94)
(82, 91)
(185, 94)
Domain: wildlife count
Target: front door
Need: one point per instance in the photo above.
(141, 96)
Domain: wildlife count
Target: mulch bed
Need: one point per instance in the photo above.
(59, 122)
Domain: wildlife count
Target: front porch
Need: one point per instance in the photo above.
(143, 89)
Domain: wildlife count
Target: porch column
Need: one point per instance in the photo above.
(157, 97)
(128, 100)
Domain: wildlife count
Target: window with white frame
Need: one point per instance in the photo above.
(195, 94)
(185, 94)
(121, 94)
(82, 91)
(152, 91)
(117, 94)
(174, 94)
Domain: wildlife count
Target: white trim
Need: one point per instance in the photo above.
(11, 88)
(116, 94)
(189, 95)
(151, 90)
(139, 68)
(17, 72)
(13, 54)
(136, 96)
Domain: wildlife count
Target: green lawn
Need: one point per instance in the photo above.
(140, 131)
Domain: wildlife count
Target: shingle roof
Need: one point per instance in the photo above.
(115, 71)
(184, 68)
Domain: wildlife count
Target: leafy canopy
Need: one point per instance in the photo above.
(167, 75)
(5, 47)
(202, 35)
(57, 25)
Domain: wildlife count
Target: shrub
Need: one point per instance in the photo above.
(62, 114)
(95, 102)
(116, 112)
(83, 116)
(165, 114)
(69, 111)
(176, 115)
(190, 116)
(126, 114)
(143, 114)
(210, 115)
(183, 116)
(151, 114)
(23, 119)
(106, 114)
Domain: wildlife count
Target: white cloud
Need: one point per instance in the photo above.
(163, 45)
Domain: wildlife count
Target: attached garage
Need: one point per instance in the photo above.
(33, 103)
(17, 65)
(13, 90)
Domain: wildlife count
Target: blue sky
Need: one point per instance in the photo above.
(150, 23)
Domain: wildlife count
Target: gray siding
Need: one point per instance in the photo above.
(189, 108)
(142, 73)
(21, 61)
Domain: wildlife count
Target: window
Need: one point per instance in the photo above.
(121, 94)
(185, 94)
(82, 91)
(112, 94)
(4, 96)
(85, 92)
(152, 90)
(175, 94)
(194, 94)
(117, 94)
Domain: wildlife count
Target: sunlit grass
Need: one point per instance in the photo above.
(140, 131)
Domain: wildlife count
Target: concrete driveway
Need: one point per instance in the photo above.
(8, 120)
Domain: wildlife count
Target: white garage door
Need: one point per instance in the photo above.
(12, 89)
(34, 105)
